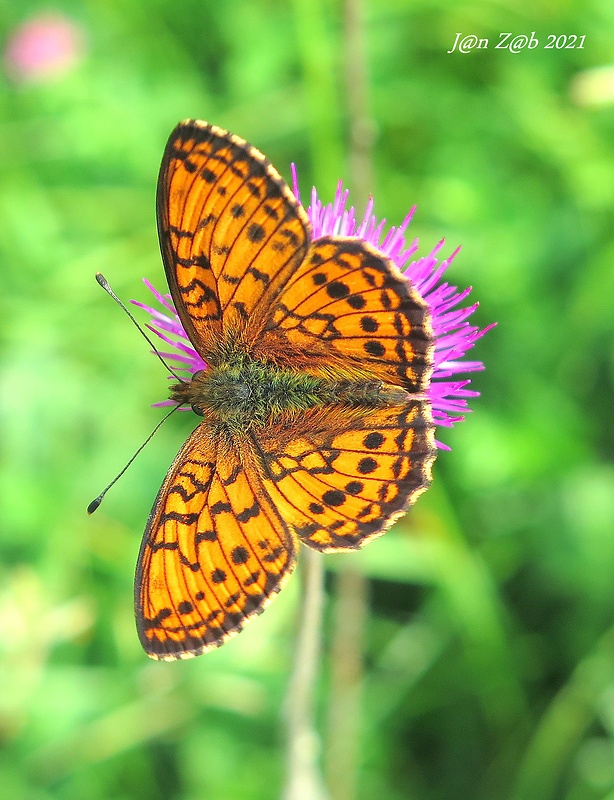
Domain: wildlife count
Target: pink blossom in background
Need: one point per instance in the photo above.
(42, 47)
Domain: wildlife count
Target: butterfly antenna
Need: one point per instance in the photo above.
(95, 503)
(106, 286)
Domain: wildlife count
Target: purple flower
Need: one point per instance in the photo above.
(454, 336)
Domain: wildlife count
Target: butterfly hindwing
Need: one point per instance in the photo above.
(349, 308)
(342, 476)
(214, 551)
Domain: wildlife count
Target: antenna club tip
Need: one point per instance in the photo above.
(94, 505)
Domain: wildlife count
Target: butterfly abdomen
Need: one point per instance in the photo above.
(246, 392)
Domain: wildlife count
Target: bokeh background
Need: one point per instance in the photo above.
(476, 639)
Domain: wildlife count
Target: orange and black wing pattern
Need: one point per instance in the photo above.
(342, 476)
(214, 552)
(347, 305)
(222, 537)
(247, 279)
(230, 229)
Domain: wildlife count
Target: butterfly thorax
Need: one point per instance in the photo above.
(247, 392)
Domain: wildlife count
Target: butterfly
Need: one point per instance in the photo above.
(316, 425)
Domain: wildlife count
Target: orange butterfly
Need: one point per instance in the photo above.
(316, 427)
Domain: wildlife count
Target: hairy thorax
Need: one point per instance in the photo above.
(244, 392)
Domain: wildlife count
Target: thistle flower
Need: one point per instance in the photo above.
(454, 335)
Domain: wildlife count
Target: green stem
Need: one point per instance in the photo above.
(321, 93)
(361, 126)
(346, 682)
(351, 604)
(303, 778)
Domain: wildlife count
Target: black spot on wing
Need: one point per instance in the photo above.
(218, 576)
(239, 555)
(255, 232)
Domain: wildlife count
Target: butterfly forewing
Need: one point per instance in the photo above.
(231, 232)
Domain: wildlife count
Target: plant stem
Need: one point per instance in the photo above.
(304, 780)
(317, 51)
(344, 709)
(361, 126)
(344, 717)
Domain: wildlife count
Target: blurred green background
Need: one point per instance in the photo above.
(488, 649)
